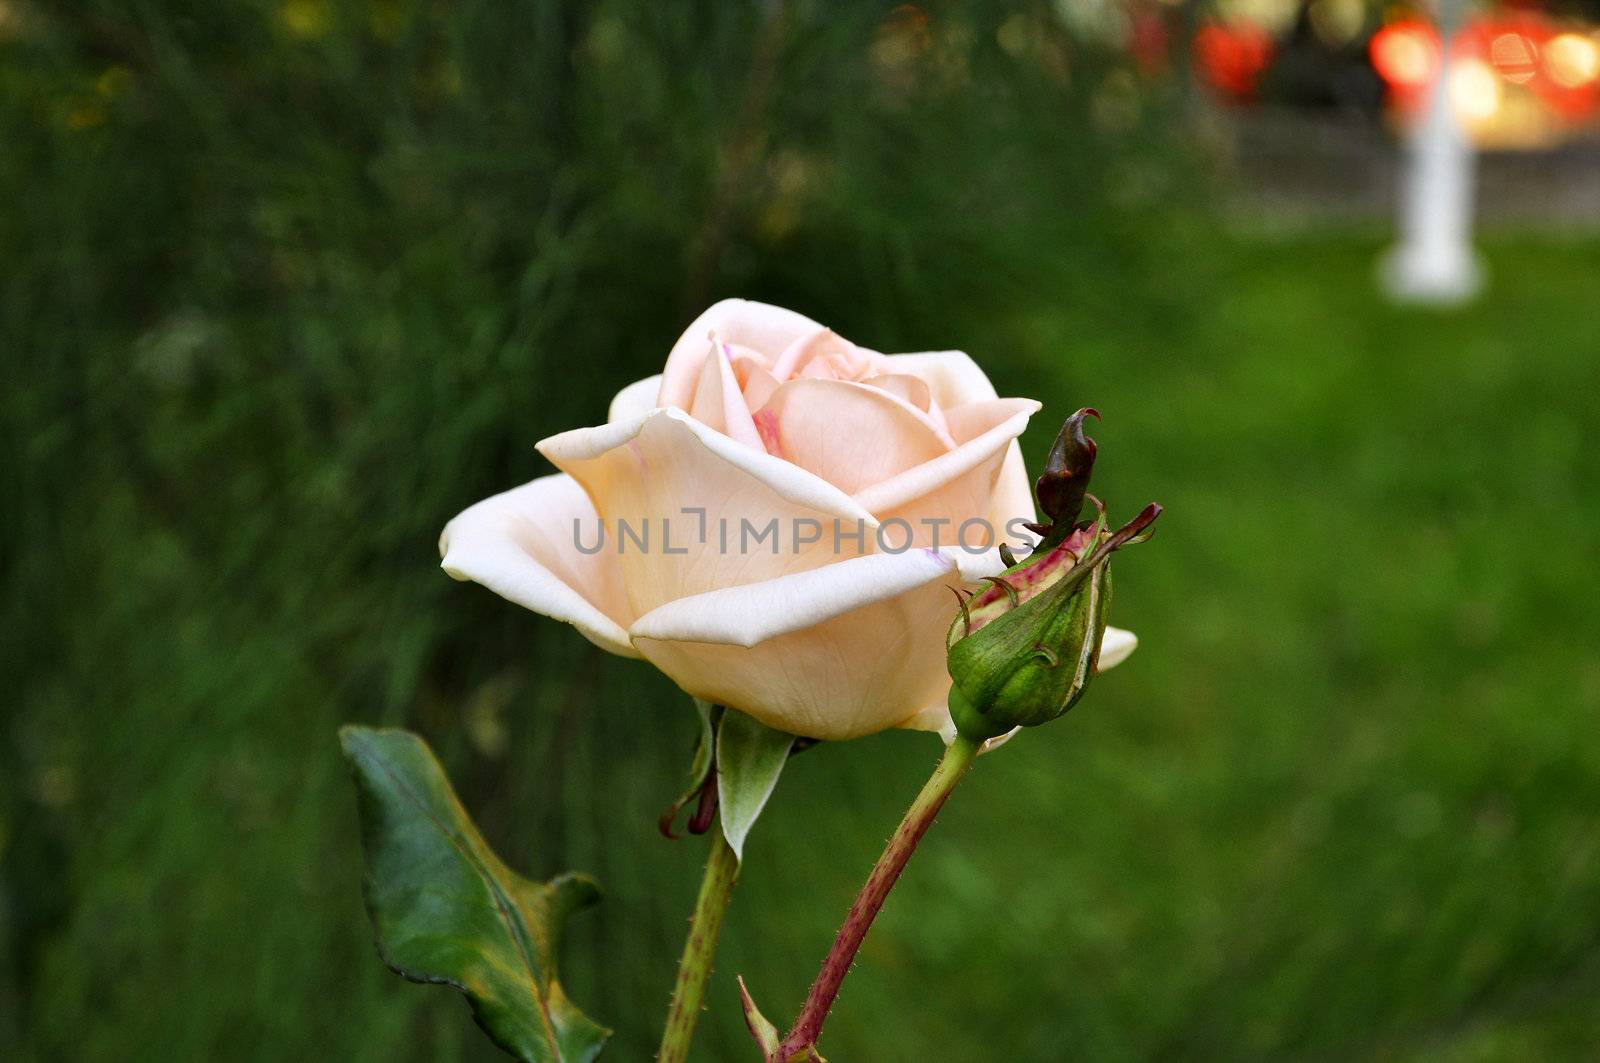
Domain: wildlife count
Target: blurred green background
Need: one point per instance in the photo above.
(285, 286)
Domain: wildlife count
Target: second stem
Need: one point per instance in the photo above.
(918, 818)
(716, 889)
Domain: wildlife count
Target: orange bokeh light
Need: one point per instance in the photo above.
(1406, 54)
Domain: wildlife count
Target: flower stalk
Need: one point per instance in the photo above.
(802, 1038)
(694, 968)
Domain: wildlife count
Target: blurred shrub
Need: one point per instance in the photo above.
(286, 286)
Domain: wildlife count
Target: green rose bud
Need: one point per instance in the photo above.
(1022, 652)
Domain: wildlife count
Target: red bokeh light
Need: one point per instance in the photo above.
(1231, 57)
(1515, 45)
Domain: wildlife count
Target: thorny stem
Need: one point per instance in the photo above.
(802, 1039)
(716, 889)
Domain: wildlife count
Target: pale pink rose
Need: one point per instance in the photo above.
(763, 414)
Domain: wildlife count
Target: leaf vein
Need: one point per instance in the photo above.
(501, 902)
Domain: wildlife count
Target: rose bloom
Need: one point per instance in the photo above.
(761, 413)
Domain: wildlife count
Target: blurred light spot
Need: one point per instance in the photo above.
(791, 176)
(85, 116)
(484, 716)
(1337, 22)
(1474, 90)
(1102, 21)
(1115, 105)
(1405, 53)
(387, 19)
(1572, 60)
(1150, 43)
(304, 18)
(113, 81)
(1273, 17)
(1014, 35)
(778, 219)
(791, 172)
(169, 353)
(56, 787)
(901, 40)
(908, 25)
(10, 19)
(1514, 56)
(607, 43)
(445, 78)
(1231, 58)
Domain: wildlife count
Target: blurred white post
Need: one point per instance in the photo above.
(1434, 262)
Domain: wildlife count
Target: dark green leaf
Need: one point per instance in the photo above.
(447, 911)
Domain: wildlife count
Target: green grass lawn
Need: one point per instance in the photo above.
(278, 303)
(1345, 801)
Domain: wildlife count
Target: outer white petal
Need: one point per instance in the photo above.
(934, 717)
(1116, 646)
(836, 652)
(664, 465)
(756, 612)
(635, 400)
(520, 545)
(788, 481)
(1013, 496)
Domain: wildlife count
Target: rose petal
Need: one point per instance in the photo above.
(520, 544)
(969, 421)
(1013, 499)
(1013, 489)
(755, 382)
(934, 717)
(635, 400)
(956, 485)
(914, 392)
(849, 434)
(1116, 646)
(912, 389)
(824, 355)
(837, 652)
(718, 402)
(954, 378)
(664, 466)
(763, 328)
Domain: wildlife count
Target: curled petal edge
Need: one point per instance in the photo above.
(481, 545)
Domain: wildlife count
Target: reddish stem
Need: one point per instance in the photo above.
(919, 817)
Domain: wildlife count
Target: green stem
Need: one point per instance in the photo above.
(716, 889)
(802, 1039)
